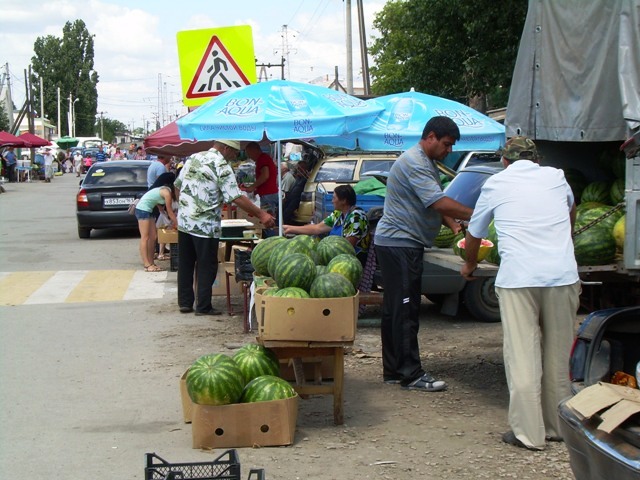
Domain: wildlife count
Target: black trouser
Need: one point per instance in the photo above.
(11, 172)
(401, 269)
(197, 254)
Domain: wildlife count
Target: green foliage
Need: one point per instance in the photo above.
(450, 48)
(109, 128)
(67, 63)
(4, 117)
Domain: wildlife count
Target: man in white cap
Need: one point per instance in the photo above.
(48, 165)
(206, 182)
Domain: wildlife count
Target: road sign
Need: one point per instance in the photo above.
(215, 60)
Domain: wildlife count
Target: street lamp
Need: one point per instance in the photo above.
(73, 117)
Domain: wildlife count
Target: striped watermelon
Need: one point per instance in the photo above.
(282, 249)
(493, 256)
(291, 292)
(261, 253)
(331, 285)
(590, 215)
(577, 181)
(295, 270)
(215, 380)
(267, 388)
(270, 292)
(456, 239)
(321, 270)
(444, 239)
(307, 240)
(595, 246)
(619, 165)
(596, 192)
(617, 191)
(588, 206)
(347, 266)
(332, 246)
(256, 360)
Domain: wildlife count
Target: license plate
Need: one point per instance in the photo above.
(117, 201)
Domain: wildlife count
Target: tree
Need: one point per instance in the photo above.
(450, 48)
(4, 118)
(109, 128)
(67, 63)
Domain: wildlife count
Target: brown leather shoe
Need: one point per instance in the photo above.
(510, 438)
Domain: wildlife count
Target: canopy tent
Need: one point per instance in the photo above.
(8, 140)
(278, 110)
(167, 141)
(399, 126)
(33, 140)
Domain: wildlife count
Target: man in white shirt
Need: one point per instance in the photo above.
(537, 286)
(48, 165)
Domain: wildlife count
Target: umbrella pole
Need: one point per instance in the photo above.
(279, 187)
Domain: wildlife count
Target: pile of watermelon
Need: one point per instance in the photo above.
(603, 241)
(250, 375)
(303, 267)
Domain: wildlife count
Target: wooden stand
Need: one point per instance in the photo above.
(301, 350)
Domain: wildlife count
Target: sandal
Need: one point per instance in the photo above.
(153, 268)
(162, 256)
(426, 383)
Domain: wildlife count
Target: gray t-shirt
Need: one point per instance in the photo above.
(412, 187)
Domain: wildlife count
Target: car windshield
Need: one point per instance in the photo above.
(465, 187)
(375, 166)
(336, 172)
(118, 175)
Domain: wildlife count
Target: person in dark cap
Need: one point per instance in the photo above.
(537, 285)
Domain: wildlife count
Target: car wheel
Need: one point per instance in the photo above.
(84, 232)
(479, 296)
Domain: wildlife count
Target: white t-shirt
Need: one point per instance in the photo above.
(530, 205)
(48, 159)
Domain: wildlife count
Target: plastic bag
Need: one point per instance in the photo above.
(163, 220)
(243, 267)
(132, 207)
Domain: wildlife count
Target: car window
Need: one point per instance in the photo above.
(375, 166)
(336, 172)
(117, 176)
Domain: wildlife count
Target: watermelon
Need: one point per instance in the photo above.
(270, 292)
(321, 270)
(588, 206)
(331, 285)
(332, 246)
(444, 239)
(261, 253)
(215, 380)
(577, 181)
(282, 249)
(485, 247)
(618, 233)
(291, 292)
(618, 166)
(590, 215)
(307, 240)
(295, 270)
(595, 246)
(616, 193)
(596, 192)
(347, 266)
(256, 360)
(493, 256)
(267, 388)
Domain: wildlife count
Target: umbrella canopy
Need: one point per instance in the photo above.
(277, 109)
(167, 141)
(400, 125)
(8, 140)
(67, 142)
(33, 140)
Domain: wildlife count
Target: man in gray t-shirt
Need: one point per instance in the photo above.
(414, 209)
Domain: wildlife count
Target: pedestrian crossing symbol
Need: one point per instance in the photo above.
(213, 61)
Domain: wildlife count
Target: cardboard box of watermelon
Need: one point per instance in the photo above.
(239, 401)
(315, 299)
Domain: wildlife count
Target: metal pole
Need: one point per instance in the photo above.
(58, 124)
(69, 114)
(9, 101)
(349, 49)
(363, 50)
(42, 104)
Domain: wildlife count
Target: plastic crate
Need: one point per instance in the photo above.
(173, 257)
(225, 467)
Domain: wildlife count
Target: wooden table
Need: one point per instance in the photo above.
(301, 350)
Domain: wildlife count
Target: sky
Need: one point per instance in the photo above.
(136, 54)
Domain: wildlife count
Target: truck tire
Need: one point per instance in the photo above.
(479, 296)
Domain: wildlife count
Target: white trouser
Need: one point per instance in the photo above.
(538, 325)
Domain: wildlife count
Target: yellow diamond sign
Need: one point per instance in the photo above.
(215, 60)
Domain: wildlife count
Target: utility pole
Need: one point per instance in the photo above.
(69, 119)
(58, 124)
(349, 49)
(9, 100)
(101, 126)
(42, 103)
(285, 51)
(363, 49)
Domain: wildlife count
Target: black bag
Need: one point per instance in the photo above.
(243, 267)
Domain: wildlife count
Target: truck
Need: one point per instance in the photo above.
(576, 92)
